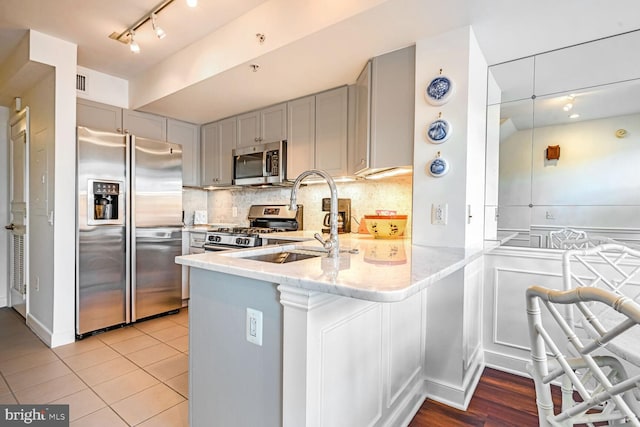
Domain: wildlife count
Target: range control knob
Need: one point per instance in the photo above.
(238, 241)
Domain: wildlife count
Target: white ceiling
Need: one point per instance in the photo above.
(327, 57)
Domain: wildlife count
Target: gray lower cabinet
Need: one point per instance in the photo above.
(188, 136)
(301, 131)
(331, 131)
(218, 139)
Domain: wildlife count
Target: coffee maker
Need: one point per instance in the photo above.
(344, 215)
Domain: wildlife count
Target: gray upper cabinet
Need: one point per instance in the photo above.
(187, 135)
(301, 130)
(248, 129)
(332, 131)
(359, 160)
(108, 118)
(98, 116)
(262, 126)
(385, 98)
(218, 140)
(144, 125)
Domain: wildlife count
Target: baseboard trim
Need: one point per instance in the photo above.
(409, 407)
(507, 363)
(50, 339)
(39, 329)
(456, 396)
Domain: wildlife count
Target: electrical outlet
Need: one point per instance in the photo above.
(234, 211)
(254, 326)
(439, 213)
(37, 283)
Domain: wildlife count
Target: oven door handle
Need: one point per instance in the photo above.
(218, 248)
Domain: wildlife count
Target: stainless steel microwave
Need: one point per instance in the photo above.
(260, 164)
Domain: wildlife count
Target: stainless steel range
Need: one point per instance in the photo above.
(263, 219)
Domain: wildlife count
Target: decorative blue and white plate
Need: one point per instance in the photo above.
(439, 90)
(438, 167)
(439, 131)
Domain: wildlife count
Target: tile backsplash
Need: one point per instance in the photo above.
(366, 197)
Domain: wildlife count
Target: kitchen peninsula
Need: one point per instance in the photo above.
(342, 341)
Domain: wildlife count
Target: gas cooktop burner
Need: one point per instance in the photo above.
(247, 230)
(263, 219)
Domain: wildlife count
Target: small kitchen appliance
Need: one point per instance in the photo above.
(263, 219)
(260, 164)
(344, 215)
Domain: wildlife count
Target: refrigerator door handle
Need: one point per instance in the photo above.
(130, 230)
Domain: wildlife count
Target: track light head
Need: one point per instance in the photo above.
(133, 44)
(160, 33)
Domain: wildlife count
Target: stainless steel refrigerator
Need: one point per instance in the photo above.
(129, 229)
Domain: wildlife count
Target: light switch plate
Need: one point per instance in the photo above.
(254, 326)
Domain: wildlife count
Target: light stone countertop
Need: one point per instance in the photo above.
(382, 270)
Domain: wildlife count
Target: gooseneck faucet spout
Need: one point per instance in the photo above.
(330, 244)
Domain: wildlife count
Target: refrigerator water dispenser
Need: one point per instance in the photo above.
(104, 202)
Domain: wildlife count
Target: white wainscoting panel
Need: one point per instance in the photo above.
(509, 272)
(406, 352)
(351, 370)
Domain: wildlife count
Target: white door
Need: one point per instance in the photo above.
(18, 184)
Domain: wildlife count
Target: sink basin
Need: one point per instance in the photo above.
(285, 256)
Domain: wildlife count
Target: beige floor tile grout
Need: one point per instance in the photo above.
(183, 323)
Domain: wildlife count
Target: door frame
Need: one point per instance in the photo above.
(21, 116)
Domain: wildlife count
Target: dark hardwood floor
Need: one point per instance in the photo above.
(501, 399)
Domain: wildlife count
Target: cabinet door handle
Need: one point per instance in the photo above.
(10, 227)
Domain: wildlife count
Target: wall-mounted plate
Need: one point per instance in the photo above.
(439, 90)
(438, 167)
(439, 131)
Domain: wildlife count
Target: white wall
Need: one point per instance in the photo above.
(53, 102)
(4, 204)
(40, 100)
(459, 57)
(104, 88)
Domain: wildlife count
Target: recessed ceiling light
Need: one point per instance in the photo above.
(574, 116)
(192, 3)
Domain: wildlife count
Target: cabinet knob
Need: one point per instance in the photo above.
(256, 139)
(119, 130)
(362, 161)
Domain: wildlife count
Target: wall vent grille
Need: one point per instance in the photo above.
(81, 83)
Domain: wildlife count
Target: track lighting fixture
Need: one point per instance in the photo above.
(156, 28)
(127, 36)
(133, 45)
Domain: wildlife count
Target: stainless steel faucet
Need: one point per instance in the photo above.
(331, 244)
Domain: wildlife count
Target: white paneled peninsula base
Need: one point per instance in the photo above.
(359, 341)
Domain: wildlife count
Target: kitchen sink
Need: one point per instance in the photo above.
(285, 256)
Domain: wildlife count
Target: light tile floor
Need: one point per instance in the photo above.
(132, 376)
